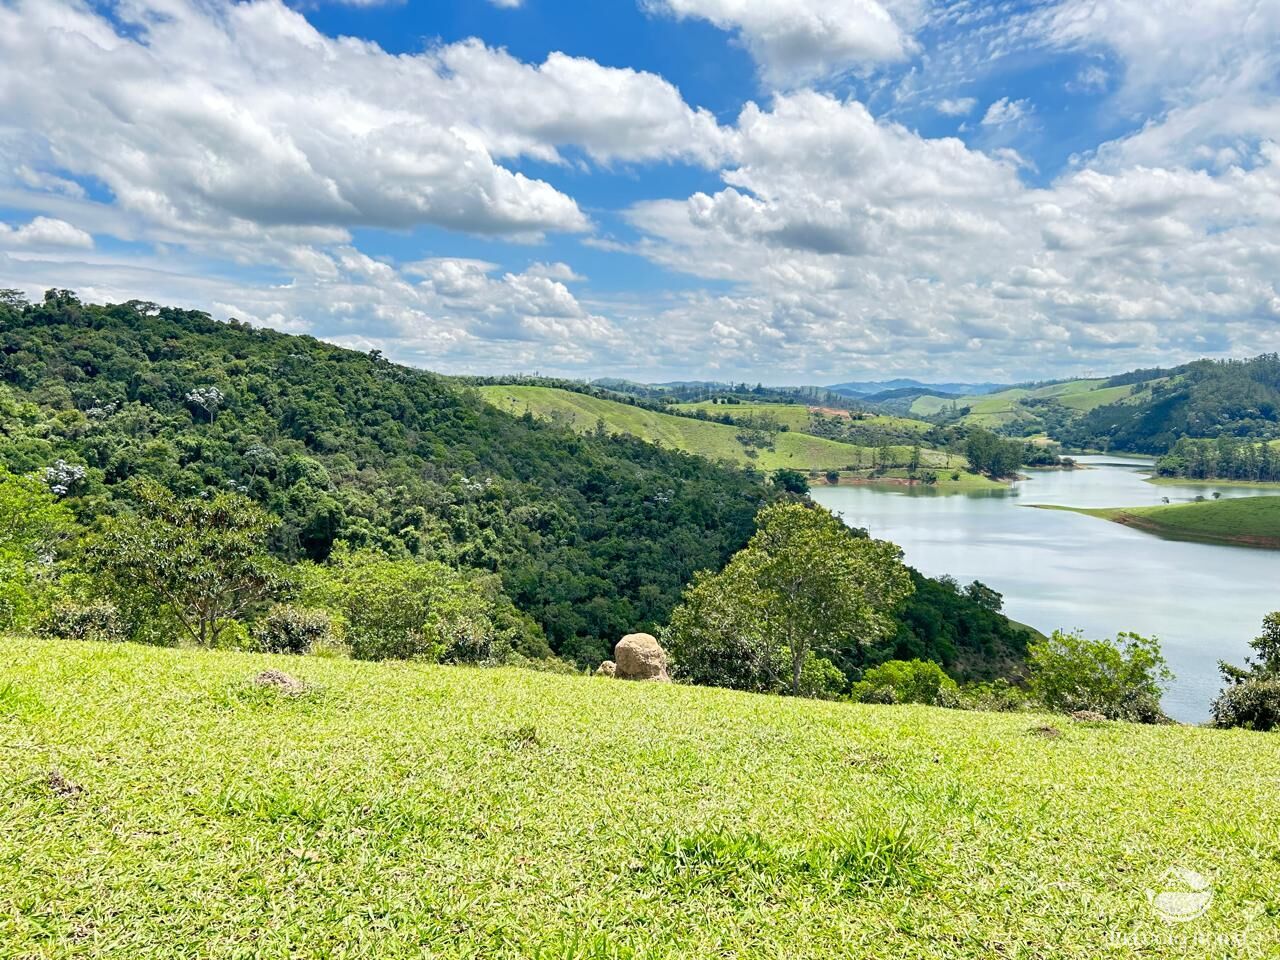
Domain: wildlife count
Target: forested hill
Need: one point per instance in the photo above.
(593, 535)
(1206, 399)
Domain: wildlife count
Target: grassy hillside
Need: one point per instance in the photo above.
(1232, 398)
(793, 416)
(396, 810)
(1023, 407)
(716, 441)
(797, 416)
(1252, 521)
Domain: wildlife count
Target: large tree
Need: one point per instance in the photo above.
(805, 587)
(203, 558)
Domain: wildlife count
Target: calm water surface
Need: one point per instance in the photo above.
(1069, 571)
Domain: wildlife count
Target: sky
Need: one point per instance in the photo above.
(790, 191)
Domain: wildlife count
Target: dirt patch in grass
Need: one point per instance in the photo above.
(280, 681)
(61, 786)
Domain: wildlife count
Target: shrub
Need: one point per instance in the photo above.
(1121, 679)
(292, 629)
(95, 620)
(412, 609)
(821, 679)
(997, 696)
(907, 681)
(234, 635)
(1251, 704)
(1252, 696)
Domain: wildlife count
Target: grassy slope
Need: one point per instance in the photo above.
(1189, 482)
(995, 410)
(717, 441)
(797, 416)
(794, 416)
(1253, 521)
(407, 811)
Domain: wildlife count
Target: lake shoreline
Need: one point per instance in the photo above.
(1203, 600)
(1126, 517)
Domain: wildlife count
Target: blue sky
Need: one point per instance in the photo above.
(786, 190)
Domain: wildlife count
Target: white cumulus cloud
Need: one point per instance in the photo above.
(44, 232)
(796, 41)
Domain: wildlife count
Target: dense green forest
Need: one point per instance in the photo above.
(594, 536)
(1205, 399)
(1226, 458)
(352, 457)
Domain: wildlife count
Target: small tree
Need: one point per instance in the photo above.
(1121, 679)
(792, 481)
(1251, 698)
(805, 586)
(203, 558)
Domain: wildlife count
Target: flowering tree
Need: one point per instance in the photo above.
(63, 477)
(208, 399)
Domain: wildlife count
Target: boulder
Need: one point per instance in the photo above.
(640, 657)
(607, 669)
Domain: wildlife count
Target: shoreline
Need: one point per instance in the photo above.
(1125, 517)
(1188, 482)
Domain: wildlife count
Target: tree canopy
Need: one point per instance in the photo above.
(805, 588)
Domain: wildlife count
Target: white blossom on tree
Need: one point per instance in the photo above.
(62, 477)
(207, 399)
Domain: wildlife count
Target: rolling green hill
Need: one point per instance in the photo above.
(158, 803)
(1251, 521)
(800, 417)
(1026, 410)
(716, 441)
(345, 446)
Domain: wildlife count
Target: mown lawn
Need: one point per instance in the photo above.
(397, 810)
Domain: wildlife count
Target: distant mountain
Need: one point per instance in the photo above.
(906, 393)
(866, 388)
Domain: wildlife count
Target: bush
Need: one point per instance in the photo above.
(234, 635)
(291, 629)
(907, 681)
(1252, 696)
(1251, 704)
(411, 609)
(96, 620)
(821, 679)
(1121, 679)
(997, 696)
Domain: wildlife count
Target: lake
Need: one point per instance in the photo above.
(1065, 570)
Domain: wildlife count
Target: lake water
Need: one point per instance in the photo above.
(1066, 570)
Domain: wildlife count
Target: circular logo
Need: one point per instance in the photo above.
(1185, 895)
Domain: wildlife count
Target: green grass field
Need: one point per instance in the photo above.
(717, 441)
(1188, 482)
(965, 482)
(797, 416)
(793, 416)
(1251, 521)
(398, 810)
(995, 410)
